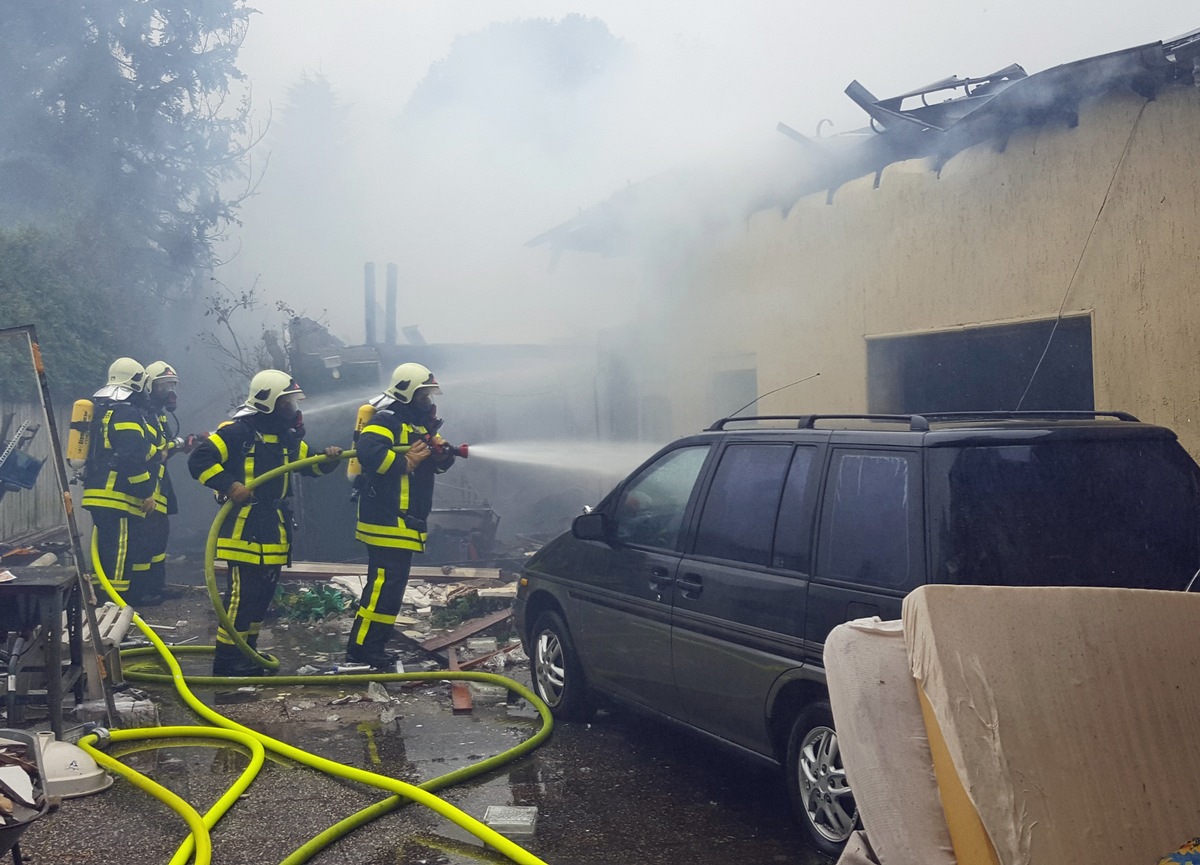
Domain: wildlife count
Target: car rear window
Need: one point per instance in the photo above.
(1120, 513)
(870, 522)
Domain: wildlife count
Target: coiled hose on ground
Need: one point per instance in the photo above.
(199, 841)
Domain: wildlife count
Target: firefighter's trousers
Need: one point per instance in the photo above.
(120, 543)
(148, 574)
(248, 593)
(387, 577)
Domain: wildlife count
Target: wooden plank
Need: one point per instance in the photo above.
(433, 574)
(475, 662)
(467, 629)
(460, 693)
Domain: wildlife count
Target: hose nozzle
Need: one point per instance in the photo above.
(445, 448)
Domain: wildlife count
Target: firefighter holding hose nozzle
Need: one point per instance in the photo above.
(395, 496)
(255, 540)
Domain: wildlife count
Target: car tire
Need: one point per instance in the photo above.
(557, 675)
(816, 780)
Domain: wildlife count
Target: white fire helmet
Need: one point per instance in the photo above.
(160, 370)
(407, 379)
(125, 377)
(266, 388)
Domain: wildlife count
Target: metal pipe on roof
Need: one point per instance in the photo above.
(389, 307)
(369, 301)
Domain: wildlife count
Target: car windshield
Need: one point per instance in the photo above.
(1119, 513)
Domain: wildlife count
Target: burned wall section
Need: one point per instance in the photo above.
(1099, 219)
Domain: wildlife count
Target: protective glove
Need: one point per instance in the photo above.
(239, 493)
(416, 455)
(441, 453)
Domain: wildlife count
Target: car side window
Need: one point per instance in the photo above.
(738, 519)
(793, 536)
(870, 519)
(651, 507)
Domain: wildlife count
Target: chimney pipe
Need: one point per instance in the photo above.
(389, 308)
(369, 300)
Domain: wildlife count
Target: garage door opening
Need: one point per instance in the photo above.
(983, 369)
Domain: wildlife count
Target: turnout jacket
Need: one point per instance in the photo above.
(121, 469)
(393, 504)
(258, 532)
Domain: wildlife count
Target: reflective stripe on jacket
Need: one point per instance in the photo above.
(164, 497)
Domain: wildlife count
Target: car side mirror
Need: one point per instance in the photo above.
(594, 526)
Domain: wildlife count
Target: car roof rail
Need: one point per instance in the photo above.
(808, 421)
(1028, 415)
(920, 422)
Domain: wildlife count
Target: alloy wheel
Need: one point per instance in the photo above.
(826, 795)
(550, 668)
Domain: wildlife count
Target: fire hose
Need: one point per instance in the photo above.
(199, 840)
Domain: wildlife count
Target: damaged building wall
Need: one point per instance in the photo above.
(995, 237)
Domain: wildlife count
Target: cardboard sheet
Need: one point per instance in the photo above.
(882, 739)
(1072, 715)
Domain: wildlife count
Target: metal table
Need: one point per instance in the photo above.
(39, 597)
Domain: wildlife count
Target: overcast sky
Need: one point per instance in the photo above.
(709, 76)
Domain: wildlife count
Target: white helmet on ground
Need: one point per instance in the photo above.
(125, 377)
(267, 387)
(407, 379)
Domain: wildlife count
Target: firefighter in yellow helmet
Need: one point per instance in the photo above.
(394, 501)
(118, 478)
(161, 383)
(255, 540)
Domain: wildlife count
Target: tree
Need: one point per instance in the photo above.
(119, 123)
(44, 282)
(238, 339)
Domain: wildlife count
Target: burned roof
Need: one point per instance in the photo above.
(933, 122)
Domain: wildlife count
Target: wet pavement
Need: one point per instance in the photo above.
(620, 789)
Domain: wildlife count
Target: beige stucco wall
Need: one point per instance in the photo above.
(996, 237)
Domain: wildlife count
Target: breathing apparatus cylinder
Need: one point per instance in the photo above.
(79, 438)
(353, 466)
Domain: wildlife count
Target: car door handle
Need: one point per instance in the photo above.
(660, 579)
(691, 585)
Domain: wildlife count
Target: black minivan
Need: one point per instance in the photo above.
(702, 588)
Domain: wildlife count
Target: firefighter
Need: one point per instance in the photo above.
(118, 479)
(394, 501)
(161, 384)
(255, 540)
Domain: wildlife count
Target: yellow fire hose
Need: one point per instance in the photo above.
(256, 742)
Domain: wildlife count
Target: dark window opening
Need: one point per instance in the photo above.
(730, 390)
(983, 369)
